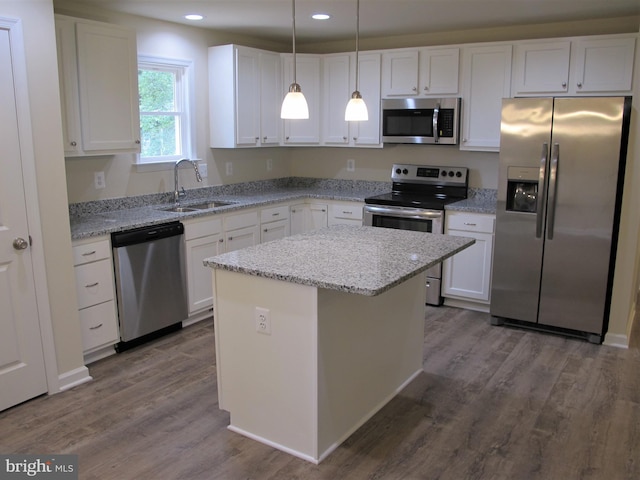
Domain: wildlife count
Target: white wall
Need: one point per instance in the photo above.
(42, 70)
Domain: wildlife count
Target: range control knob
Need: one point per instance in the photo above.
(405, 171)
(398, 171)
(443, 173)
(458, 174)
(451, 174)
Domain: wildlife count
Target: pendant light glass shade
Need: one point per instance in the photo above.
(356, 110)
(294, 105)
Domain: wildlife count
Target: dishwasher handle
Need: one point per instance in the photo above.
(146, 234)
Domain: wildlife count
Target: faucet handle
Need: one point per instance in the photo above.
(182, 193)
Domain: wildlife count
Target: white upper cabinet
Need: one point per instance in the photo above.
(303, 132)
(244, 97)
(439, 71)
(99, 87)
(541, 67)
(400, 73)
(584, 66)
(486, 79)
(336, 91)
(420, 72)
(337, 86)
(602, 65)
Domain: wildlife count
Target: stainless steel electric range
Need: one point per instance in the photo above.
(416, 202)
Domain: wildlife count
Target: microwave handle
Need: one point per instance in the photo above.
(436, 112)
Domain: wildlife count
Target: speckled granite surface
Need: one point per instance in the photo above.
(352, 259)
(92, 219)
(480, 200)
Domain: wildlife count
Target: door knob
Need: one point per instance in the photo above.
(20, 244)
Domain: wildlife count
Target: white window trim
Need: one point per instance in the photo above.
(190, 149)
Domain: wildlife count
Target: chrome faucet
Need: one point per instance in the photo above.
(176, 192)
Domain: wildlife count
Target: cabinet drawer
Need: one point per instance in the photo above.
(471, 223)
(202, 228)
(346, 211)
(99, 326)
(94, 283)
(274, 213)
(241, 220)
(91, 252)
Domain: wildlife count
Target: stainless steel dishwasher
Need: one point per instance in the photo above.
(150, 282)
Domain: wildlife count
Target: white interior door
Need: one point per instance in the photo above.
(22, 371)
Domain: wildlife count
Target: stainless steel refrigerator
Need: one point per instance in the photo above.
(559, 195)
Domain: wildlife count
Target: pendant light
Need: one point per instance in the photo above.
(356, 110)
(294, 105)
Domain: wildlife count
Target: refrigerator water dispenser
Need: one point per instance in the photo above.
(522, 189)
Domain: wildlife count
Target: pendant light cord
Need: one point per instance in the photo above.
(293, 11)
(357, 38)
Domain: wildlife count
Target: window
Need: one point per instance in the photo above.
(165, 121)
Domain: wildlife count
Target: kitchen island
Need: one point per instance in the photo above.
(316, 332)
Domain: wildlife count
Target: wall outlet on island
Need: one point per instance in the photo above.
(351, 165)
(263, 320)
(229, 167)
(269, 164)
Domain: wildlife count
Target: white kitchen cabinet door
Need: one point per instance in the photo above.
(274, 230)
(303, 132)
(99, 87)
(305, 217)
(368, 133)
(439, 69)
(271, 96)
(336, 92)
(400, 73)
(603, 65)
(247, 97)
(467, 275)
(242, 238)
(345, 213)
(200, 289)
(541, 67)
(486, 81)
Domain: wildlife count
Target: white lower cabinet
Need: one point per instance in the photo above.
(305, 217)
(466, 277)
(241, 230)
(96, 297)
(345, 213)
(203, 239)
(274, 223)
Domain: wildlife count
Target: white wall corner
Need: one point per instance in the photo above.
(73, 378)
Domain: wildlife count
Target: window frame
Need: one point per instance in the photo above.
(184, 101)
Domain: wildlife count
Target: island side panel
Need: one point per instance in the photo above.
(268, 383)
(369, 349)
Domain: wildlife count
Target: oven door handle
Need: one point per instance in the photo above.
(404, 212)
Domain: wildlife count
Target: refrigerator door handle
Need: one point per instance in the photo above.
(553, 182)
(542, 184)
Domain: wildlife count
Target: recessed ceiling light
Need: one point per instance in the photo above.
(321, 16)
(193, 16)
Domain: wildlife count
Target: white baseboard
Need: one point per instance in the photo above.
(619, 340)
(73, 378)
(466, 304)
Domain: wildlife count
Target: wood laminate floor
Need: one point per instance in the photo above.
(493, 403)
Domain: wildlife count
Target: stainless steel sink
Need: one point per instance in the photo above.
(197, 206)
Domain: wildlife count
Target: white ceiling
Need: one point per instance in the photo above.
(271, 19)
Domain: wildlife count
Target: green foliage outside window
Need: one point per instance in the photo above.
(159, 118)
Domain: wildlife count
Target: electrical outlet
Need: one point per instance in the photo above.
(229, 166)
(202, 167)
(351, 165)
(269, 164)
(263, 320)
(98, 180)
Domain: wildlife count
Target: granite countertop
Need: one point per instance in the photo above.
(353, 259)
(93, 219)
(480, 200)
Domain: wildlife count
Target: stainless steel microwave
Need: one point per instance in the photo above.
(421, 120)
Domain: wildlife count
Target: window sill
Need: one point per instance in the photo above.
(159, 166)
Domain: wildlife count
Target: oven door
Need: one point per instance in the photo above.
(417, 219)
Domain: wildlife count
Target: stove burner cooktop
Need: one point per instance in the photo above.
(424, 187)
